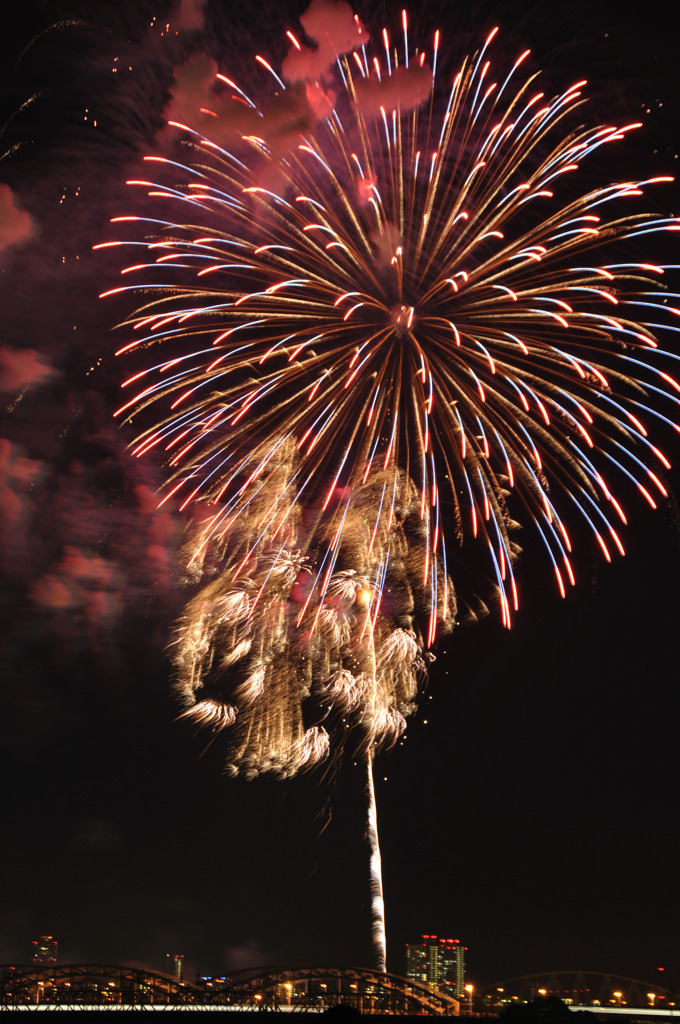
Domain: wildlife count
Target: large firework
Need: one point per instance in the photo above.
(389, 325)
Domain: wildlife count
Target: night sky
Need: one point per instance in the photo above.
(531, 811)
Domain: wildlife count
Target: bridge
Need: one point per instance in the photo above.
(613, 993)
(81, 986)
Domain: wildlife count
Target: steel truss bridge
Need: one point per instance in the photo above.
(586, 988)
(73, 986)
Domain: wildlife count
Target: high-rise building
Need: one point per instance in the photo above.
(175, 964)
(438, 963)
(45, 950)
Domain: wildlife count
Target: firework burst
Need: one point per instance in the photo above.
(389, 324)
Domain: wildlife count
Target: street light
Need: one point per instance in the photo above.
(651, 996)
(469, 989)
(617, 996)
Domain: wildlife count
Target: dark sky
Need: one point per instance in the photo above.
(532, 810)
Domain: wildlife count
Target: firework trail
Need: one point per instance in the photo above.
(390, 325)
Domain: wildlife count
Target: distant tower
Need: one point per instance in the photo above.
(176, 965)
(437, 963)
(44, 950)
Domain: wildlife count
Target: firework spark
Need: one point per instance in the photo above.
(308, 627)
(391, 325)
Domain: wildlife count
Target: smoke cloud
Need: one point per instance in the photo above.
(21, 368)
(405, 89)
(16, 226)
(335, 30)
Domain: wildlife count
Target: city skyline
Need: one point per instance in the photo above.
(313, 986)
(531, 807)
